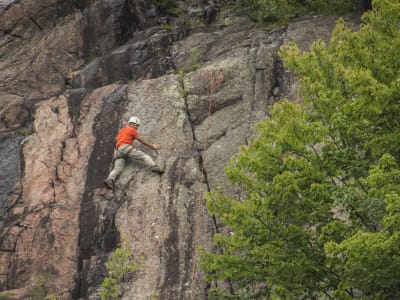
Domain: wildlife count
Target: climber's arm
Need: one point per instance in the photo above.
(148, 143)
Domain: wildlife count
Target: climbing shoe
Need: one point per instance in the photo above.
(109, 183)
(157, 169)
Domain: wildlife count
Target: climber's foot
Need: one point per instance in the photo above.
(109, 183)
(157, 169)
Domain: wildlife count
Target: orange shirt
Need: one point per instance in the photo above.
(126, 136)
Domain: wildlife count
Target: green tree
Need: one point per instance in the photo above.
(321, 217)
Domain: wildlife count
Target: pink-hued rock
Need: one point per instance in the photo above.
(43, 242)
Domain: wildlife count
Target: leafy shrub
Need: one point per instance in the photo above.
(168, 7)
(119, 267)
(195, 57)
(42, 289)
(26, 130)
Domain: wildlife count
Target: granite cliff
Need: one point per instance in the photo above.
(72, 73)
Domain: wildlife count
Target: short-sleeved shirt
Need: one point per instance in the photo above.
(126, 136)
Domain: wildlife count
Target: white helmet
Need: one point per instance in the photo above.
(134, 120)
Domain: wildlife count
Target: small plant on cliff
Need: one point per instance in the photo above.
(26, 130)
(154, 295)
(195, 58)
(42, 289)
(166, 26)
(181, 78)
(119, 267)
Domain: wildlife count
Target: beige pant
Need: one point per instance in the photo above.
(125, 152)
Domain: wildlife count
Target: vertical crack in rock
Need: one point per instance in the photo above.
(196, 142)
(201, 162)
(98, 233)
(80, 4)
(36, 23)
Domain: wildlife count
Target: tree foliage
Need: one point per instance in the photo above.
(169, 7)
(321, 217)
(267, 11)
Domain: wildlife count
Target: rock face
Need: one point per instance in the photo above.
(72, 73)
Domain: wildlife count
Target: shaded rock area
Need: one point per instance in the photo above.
(72, 73)
(10, 159)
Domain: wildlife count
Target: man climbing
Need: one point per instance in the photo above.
(124, 150)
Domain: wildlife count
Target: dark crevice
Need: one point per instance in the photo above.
(8, 32)
(364, 5)
(80, 4)
(197, 148)
(7, 250)
(53, 186)
(98, 233)
(196, 142)
(127, 24)
(277, 77)
(63, 146)
(75, 97)
(36, 23)
(22, 226)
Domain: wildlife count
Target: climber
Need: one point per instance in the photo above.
(124, 150)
